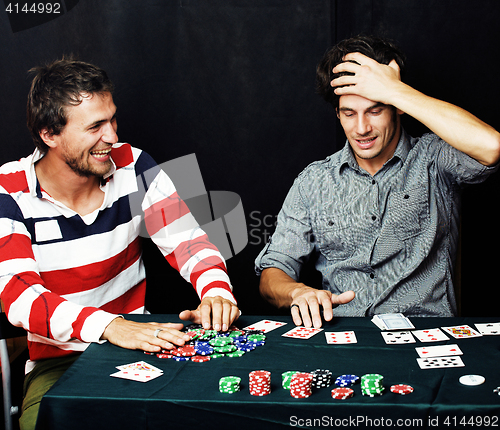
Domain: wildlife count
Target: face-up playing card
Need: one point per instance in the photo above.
(440, 362)
(439, 351)
(391, 337)
(302, 332)
(488, 328)
(340, 337)
(430, 335)
(265, 325)
(461, 331)
(139, 371)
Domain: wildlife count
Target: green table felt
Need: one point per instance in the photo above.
(187, 394)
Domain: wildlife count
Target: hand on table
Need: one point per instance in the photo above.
(150, 337)
(215, 312)
(305, 307)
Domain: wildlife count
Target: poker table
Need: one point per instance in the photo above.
(187, 394)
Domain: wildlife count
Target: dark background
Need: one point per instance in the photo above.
(233, 82)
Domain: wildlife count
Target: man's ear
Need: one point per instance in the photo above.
(337, 112)
(48, 137)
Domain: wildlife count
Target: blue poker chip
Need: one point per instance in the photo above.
(257, 343)
(246, 347)
(241, 339)
(180, 358)
(346, 380)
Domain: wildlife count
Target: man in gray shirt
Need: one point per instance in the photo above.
(380, 217)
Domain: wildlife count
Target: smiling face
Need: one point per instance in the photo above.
(372, 129)
(84, 144)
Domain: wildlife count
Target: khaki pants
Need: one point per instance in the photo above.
(37, 383)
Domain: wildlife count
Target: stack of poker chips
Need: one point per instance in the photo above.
(346, 380)
(300, 385)
(321, 378)
(286, 378)
(372, 384)
(260, 383)
(342, 393)
(229, 384)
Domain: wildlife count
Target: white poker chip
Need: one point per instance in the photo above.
(472, 379)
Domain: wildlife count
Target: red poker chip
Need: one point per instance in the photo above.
(200, 358)
(184, 351)
(342, 393)
(164, 355)
(402, 389)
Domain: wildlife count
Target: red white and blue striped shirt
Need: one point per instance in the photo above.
(65, 277)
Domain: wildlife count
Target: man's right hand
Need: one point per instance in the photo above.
(150, 337)
(306, 303)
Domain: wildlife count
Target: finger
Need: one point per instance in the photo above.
(167, 338)
(235, 314)
(304, 313)
(188, 315)
(295, 311)
(315, 312)
(205, 310)
(342, 299)
(395, 66)
(326, 304)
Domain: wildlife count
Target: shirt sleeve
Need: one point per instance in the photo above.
(292, 242)
(181, 240)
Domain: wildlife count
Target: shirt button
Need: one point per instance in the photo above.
(373, 182)
(374, 217)
(372, 275)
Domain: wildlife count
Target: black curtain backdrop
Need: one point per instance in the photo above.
(233, 82)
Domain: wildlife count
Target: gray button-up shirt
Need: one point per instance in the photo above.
(391, 238)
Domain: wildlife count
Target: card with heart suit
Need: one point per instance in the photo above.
(430, 335)
(265, 325)
(302, 332)
(488, 328)
(461, 331)
(440, 362)
(438, 351)
(340, 337)
(395, 337)
(139, 371)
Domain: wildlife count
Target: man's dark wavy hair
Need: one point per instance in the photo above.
(380, 49)
(58, 85)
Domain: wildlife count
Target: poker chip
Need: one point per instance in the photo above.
(246, 347)
(163, 355)
(342, 393)
(184, 351)
(180, 358)
(372, 384)
(200, 358)
(220, 341)
(256, 337)
(237, 353)
(346, 380)
(300, 385)
(229, 384)
(203, 348)
(472, 380)
(286, 378)
(259, 382)
(321, 378)
(402, 389)
(225, 349)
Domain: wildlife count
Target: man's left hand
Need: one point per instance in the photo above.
(215, 312)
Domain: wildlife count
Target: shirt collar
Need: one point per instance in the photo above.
(402, 150)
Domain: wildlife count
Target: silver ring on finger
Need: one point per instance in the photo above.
(157, 332)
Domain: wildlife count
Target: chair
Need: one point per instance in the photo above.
(7, 331)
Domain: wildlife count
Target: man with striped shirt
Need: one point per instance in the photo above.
(70, 245)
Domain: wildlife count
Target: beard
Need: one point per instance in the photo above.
(84, 169)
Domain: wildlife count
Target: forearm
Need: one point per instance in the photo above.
(454, 125)
(277, 287)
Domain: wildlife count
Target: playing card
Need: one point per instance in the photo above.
(440, 362)
(340, 337)
(391, 337)
(430, 335)
(302, 332)
(488, 328)
(265, 325)
(138, 371)
(461, 331)
(392, 322)
(439, 351)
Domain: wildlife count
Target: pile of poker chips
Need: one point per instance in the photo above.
(229, 384)
(321, 378)
(259, 382)
(372, 384)
(301, 385)
(346, 380)
(209, 344)
(402, 389)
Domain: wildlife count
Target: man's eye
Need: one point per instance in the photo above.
(376, 112)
